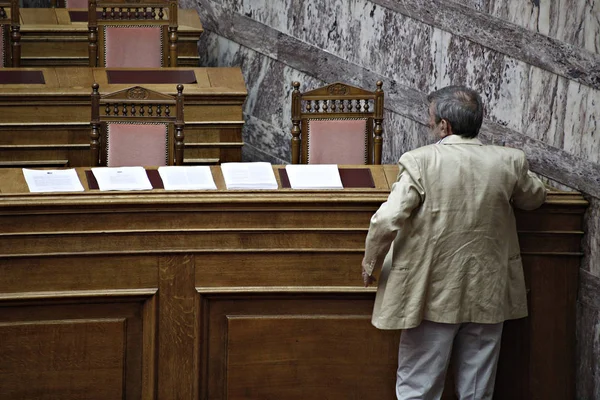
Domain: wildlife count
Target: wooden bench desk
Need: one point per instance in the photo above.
(50, 37)
(239, 295)
(47, 122)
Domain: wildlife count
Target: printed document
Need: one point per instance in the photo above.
(314, 176)
(122, 178)
(187, 178)
(55, 180)
(250, 175)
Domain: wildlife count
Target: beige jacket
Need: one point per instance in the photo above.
(456, 254)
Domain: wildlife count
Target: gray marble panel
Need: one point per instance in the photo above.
(520, 43)
(270, 139)
(591, 240)
(582, 122)
(588, 346)
(401, 135)
(550, 161)
(579, 26)
(521, 97)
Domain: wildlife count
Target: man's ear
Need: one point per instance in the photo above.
(445, 127)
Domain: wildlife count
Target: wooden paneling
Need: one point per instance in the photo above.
(298, 337)
(50, 122)
(89, 348)
(239, 295)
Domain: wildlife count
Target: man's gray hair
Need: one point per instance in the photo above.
(461, 107)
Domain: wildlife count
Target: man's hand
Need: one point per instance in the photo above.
(368, 279)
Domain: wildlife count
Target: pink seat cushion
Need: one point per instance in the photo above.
(137, 145)
(76, 3)
(337, 141)
(132, 47)
(2, 55)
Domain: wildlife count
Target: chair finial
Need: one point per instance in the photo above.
(179, 88)
(95, 87)
(379, 85)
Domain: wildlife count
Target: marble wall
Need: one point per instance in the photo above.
(536, 64)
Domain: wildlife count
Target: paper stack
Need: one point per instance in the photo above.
(187, 178)
(55, 180)
(251, 175)
(122, 178)
(314, 176)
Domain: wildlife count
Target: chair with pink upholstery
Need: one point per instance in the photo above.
(10, 35)
(337, 124)
(132, 35)
(136, 127)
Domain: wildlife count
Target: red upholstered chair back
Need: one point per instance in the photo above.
(10, 35)
(136, 126)
(337, 124)
(132, 35)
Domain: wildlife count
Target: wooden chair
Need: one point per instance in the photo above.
(136, 126)
(10, 35)
(132, 35)
(337, 124)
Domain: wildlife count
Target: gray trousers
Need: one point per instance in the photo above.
(424, 356)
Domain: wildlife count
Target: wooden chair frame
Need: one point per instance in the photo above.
(337, 101)
(136, 105)
(132, 14)
(12, 35)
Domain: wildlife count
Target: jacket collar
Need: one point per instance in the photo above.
(456, 139)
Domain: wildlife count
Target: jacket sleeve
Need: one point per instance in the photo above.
(406, 195)
(529, 192)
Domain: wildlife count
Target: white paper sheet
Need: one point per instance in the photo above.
(55, 180)
(187, 178)
(314, 176)
(251, 175)
(122, 178)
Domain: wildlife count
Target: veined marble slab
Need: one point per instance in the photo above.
(576, 22)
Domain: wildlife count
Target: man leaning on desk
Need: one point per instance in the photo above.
(454, 273)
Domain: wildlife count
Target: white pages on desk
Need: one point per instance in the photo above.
(187, 178)
(314, 176)
(122, 178)
(55, 180)
(251, 175)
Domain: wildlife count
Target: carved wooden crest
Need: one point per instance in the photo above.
(337, 89)
(137, 93)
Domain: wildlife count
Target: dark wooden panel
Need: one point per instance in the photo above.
(282, 336)
(196, 239)
(280, 269)
(69, 359)
(552, 327)
(199, 216)
(309, 357)
(177, 346)
(77, 273)
(60, 350)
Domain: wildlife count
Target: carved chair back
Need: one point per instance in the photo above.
(132, 35)
(10, 35)
(337, 124)
(136, 126)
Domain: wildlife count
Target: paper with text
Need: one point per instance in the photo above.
(314, 176)
(250, 175)
(55, 180)
(122, 178)
(187, 178)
